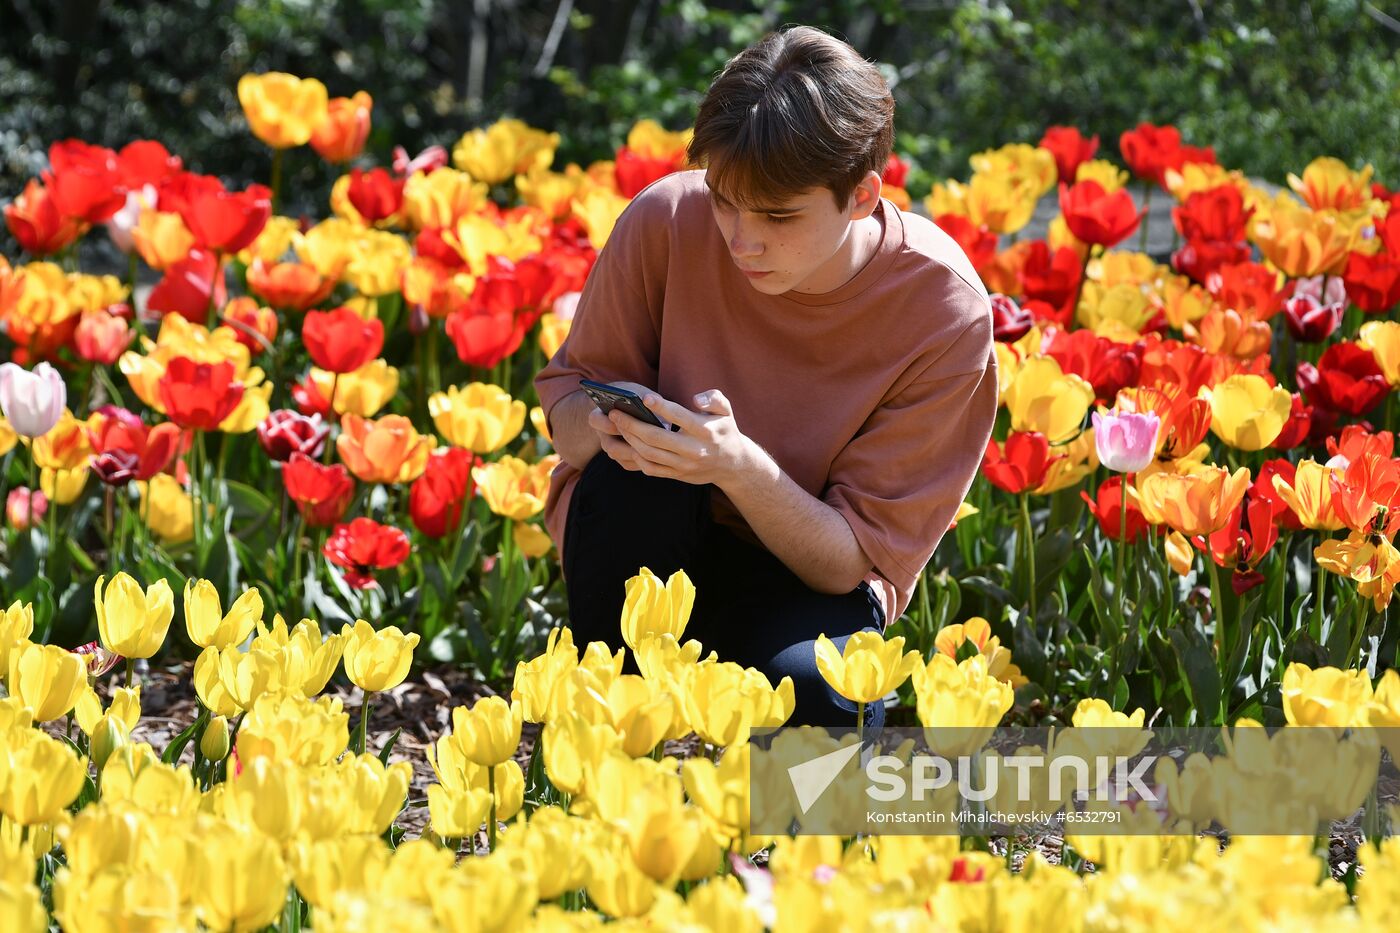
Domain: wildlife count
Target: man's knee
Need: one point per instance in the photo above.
(817, 704)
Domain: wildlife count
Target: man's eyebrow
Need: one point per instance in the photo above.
(761, 210)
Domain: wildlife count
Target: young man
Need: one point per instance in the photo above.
(827, 358)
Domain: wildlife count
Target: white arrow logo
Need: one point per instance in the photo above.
(811, 778)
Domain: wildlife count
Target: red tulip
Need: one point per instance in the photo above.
(1096, 216)
(340, 341)
(376, 194)
(1373, 282)
(1150, 150)
(896, 171)
(115, 467)
(1070, 149)
(321, 493)
(38, 224)
(1297, 427)
(364, 545)
(119, 430)
(1263, 489)
(979, 243)
(199, 395)
(1310, 321)
(436, 499)
(146, 162)
(1216, 214)
(484, 339)
(1249, 287)
(1346, 379)
(185, 288)
(634, 172)
(1052, 278)
(285, 432)
(84, 181)
(1107, 364)
(1021, 464)
(309, 400)
(1009, 321)
(1106, 507)
(1239, 547)
(1199, 259)
(226, 221)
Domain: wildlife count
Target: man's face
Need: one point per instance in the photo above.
(803, 244)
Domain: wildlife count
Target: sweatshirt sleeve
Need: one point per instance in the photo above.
(615, 335)
(900, 480)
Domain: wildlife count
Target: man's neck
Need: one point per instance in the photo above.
(862, 243)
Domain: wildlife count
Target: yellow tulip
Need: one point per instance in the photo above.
(552, 839)
(161, 238)
(482, 418)
(1041, 397)
(65, 446)
(494, 894)
(1246, 412)
(1179, 553)
(1310, 495)
(283, 110)
(39, 777)
(724, 702)
(550, 191)
(377, 261)
(214, 744)
(247, 675)
(209, 687)
(489, 732)
(168, 509)
(868, 668)
(1108, 175)
(654, 608)
(511, 488)
(1303, 242)
(291, 727)
(976, 632)
(206, 623)
(616, 886)
(46, 678)
(324, 869)
(125, 707)
(63, 486)
(307, 659)
(531, 540)
(477, 237)
(1197, 503)
(327, 247)
(240, 878)
(536, 678)
(377, 660)
(505, 148)
(16, 625)
(1329, 183)
(598, 209)
(722, 790)
(573, 750)
(22, 908)
(553, 330)
(1382, 338)
(1325, 697)
(363, 392)
(438, 198)
(8, 437)
(273, 242)
(457, 814)
(959, 703)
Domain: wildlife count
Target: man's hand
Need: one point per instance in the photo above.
(708, 448)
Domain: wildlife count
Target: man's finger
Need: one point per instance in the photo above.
(602, 423)
(670, 411)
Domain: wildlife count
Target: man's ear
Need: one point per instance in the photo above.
(866, 196)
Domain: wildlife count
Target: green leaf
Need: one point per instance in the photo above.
(1199, 674)
(388, 748)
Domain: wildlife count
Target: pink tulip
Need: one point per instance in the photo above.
(24, 508)
(1125, 441)
(32, 401)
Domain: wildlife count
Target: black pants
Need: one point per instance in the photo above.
(749, 607)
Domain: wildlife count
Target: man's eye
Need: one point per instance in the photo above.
(779, 219)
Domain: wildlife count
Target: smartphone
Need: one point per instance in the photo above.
(607, 397)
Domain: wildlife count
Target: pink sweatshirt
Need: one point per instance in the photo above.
(877, 398)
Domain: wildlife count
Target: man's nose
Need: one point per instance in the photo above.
(743, 243)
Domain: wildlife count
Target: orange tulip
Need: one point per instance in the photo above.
(389, 450)
(1227, 331)
(1367, 495)
(290, 285)
(342, 136)
(1192, 503)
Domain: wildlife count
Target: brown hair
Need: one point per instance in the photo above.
(798, 109)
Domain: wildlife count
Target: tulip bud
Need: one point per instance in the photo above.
(116, 467)
(1308, 320)
(418, 320)
(21, 506)
(32, 401)
(102, 337)
(109, 736)
(1009, 320)
(215, 742)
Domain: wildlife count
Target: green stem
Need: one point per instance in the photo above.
(1030, 549)
(925, 610)
(130, 671)
(33, 522)
(491, 817)
(212, 316)
(276, 178)
(1122, 533)
(330, 447)
(196, 466)
(298, 584)
(1217, 603)
(363, 731)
